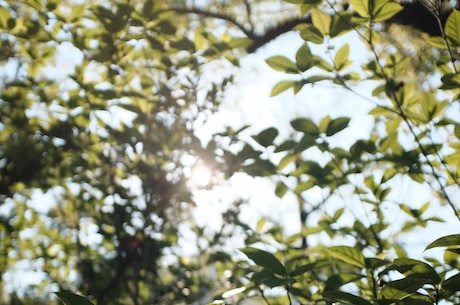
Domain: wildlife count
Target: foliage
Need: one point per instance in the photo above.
(99, 107)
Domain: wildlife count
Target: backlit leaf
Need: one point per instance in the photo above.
(264, 259)
(445, 241)
(282, 63)
(452, 28)
(321, 21)
(361, 7)
(348, 255)
(282, 86)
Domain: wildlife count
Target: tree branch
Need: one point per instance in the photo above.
(413, 14)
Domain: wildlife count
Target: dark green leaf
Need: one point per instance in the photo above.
(286, 145)
(415, 268)
(266, 137)
(304, 58)
(306, 126)
(345, 297)
(338, 280)
(264, 259)
(400, 289)
(336, 125)
(69, 298)
(445, 241)
(452, 284)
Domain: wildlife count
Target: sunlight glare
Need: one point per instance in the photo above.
(201, 175)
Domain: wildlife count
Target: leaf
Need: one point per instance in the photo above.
(286, 160)
(5, 16)
(341, 57)
(286, 145)
(361, 7)
(270, 279)
(306, 126)
(266, 136)
(282, 63)
(304, 58)
(69, 298)
(417, 269)
(264, 259)
(338, 280)
(388, 10)
(345, 297)
(452, 27)
(445, 241)
(280, 189)
(348, 255)
(321, 21)
(400, 289)
(309, 32)
(336, 125)
(452, 283)
(282, 86)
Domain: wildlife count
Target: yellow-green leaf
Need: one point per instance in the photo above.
(321, 21)
(361, 7)
(452, 28)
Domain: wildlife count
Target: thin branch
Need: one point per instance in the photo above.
(207, 14)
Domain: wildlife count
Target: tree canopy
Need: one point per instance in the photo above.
(100, 105)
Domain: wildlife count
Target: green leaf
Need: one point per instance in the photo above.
(69, 298)
(280, 189)
(415, 268)
(286, 160)
(336, 125)
(306, 126)
(400, 289)
(270, 279)
(264, 259)
(282, 86)
(452, 283)
(338, 280)
(304, 58)
(309, 32)
(348, 255)
(5, 16)
(452, 28)
(388, 10)
(306, 142)
(361, 7)
(286, 145)
(282, 63)
(321, 21)
(341, 24)
(345, 297)
(341, 57)
(266, 136)
(445, 241)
